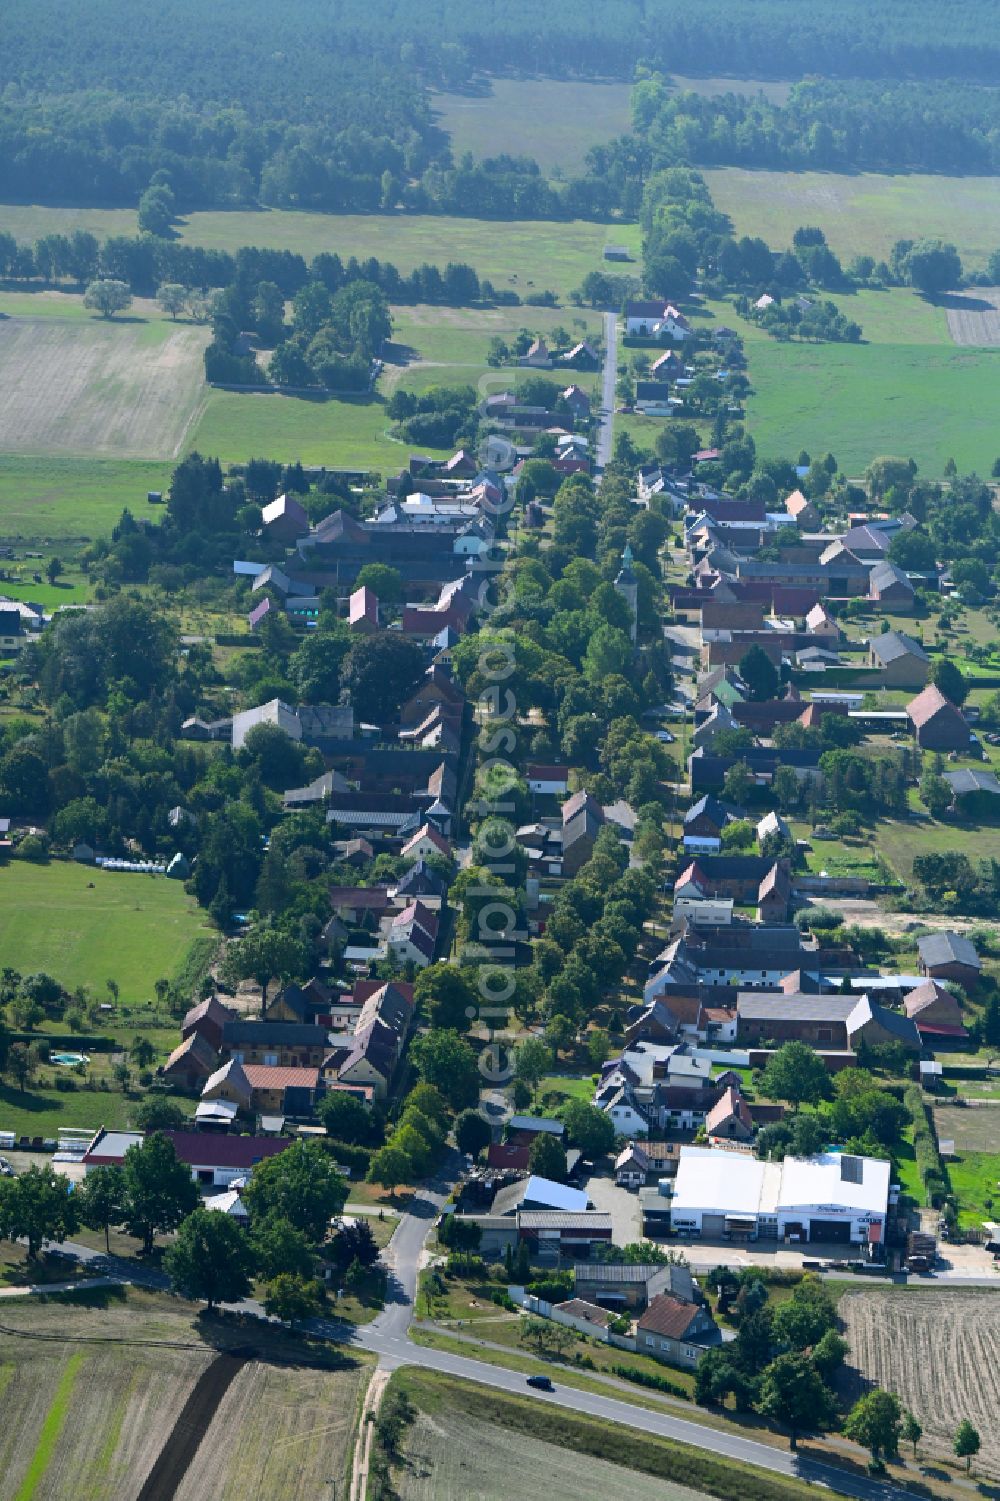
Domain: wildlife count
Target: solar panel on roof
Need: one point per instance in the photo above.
(852, 1169)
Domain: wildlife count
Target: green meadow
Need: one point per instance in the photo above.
(85, 926)
(862, 212)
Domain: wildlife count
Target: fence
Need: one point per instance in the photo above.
(545, 1310)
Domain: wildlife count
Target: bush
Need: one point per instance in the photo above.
(554, 1289)
(647, 1378)
(358, 1159)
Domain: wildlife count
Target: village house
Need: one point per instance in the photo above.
(870, 1025)
(729, 1118)
(190, 1064)
(288, 1044)
(284, 520)
(936, 1013)
(631, 1166)
(676, 1332)
(631, 1286)
(655, 320)
(889, 586)
(207, 1019)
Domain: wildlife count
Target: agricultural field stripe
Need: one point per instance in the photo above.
(51, 1429)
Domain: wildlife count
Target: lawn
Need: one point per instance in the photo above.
(862, 400)
(558, 1089)
(340, 432)
(86, 926)
(521, 254)
(862, 213)
(900, 840)
(556, 123)
(89, 1421)
(53, 496)
(975, 1182)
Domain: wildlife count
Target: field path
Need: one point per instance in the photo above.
(366, 1433)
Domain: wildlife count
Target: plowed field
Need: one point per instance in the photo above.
(937, 1350)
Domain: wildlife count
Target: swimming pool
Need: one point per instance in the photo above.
(69, 1060)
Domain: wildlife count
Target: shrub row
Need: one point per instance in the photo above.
(647, 1378)
(929, 1164)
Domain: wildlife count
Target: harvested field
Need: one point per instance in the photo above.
(937, 1351)
(310, 1424)
(975, 317)
(120, 1403)
(128, 388)
(190, 1428)
(450, 1458)
(111, 1398)
(976, 1128)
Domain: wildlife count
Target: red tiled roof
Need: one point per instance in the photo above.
(278, 1076)
(668, 1316)
(209, 1149)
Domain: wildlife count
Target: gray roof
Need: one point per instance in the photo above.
(535, 1123)
(895, 1022)
(557, 1219)
(962, 782)
(885, 573)
(892, 645)
(758, 1006)
(947, 948)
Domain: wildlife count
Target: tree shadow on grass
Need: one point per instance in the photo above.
(959, 302)
(24, 1099)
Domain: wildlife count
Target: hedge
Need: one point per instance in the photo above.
(929, 1164)
(648, 1378)
(72, 1042)
(358, 1159)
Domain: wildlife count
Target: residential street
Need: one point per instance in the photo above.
(609, 378)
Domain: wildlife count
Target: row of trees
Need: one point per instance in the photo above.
(291, 1198)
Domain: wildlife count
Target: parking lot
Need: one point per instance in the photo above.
(621, 1203)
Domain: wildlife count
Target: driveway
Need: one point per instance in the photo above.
(621, 1203)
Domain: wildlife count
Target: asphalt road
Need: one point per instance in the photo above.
(609, 377)
(387, 1338)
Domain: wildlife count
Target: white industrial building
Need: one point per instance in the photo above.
(723, 1195)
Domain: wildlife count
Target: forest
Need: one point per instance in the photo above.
(869, 125)
(304, 106)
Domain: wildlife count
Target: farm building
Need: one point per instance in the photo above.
(726, 1195)
(937, 723)
(623, 1284)
(949, 956)
(902, 661)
